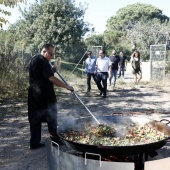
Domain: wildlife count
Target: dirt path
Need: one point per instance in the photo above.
(14, 127)
(14, 138)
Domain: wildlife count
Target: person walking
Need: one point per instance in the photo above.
(57, 64)
(122, 64)
(136, 66)
(90, 64)
(115, 59)
(42, 103)
(103, 64)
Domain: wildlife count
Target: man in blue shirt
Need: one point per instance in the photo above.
(90, 64)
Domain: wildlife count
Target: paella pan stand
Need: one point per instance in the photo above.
(69, 154)
(139, 153)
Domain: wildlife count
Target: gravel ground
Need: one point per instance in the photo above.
(14, 130)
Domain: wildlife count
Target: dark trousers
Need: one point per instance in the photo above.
(42, 107)
(122, 71)
(114, 75)
(89, 75)
(48, 115)
(102, 77)
(35, 129)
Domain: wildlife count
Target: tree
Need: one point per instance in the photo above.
(146, 33)
(8, 3)
(126, 18)
(11, 63)
(95, 40)
(56, 21)
(133, 13)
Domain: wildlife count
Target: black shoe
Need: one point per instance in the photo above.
(40, 145)
(101, 93)
(104, 96)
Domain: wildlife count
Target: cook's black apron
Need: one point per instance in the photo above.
(41, 99)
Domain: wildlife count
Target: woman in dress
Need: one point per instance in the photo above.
(136, 66)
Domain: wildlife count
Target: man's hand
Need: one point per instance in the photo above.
(70, 88)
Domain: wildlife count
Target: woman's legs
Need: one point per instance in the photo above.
(135, 78)
(139, 78)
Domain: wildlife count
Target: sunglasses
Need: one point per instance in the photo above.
(51, 54)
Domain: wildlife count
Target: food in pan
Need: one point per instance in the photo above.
(114, 135)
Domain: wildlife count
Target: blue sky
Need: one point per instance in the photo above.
(99, 12)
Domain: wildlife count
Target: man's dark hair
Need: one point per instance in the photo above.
(47, 46)
(104, 52)
(89, 52)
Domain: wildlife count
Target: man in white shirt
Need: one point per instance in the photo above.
(103, 64)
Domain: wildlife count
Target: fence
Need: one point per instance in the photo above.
(96, 49)
(157, 62)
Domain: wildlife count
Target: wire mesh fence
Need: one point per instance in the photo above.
(14, 72)
(96, 49)
(75, 71)
(72, 72)
(157, 62)
(14, 68)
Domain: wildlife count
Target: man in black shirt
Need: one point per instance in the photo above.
(115, 65)
(123, 64)
(41, 96)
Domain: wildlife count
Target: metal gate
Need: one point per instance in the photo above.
(96, 49)
(157, 62)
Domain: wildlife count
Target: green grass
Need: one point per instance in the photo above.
(72, 68)
(71, 71)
